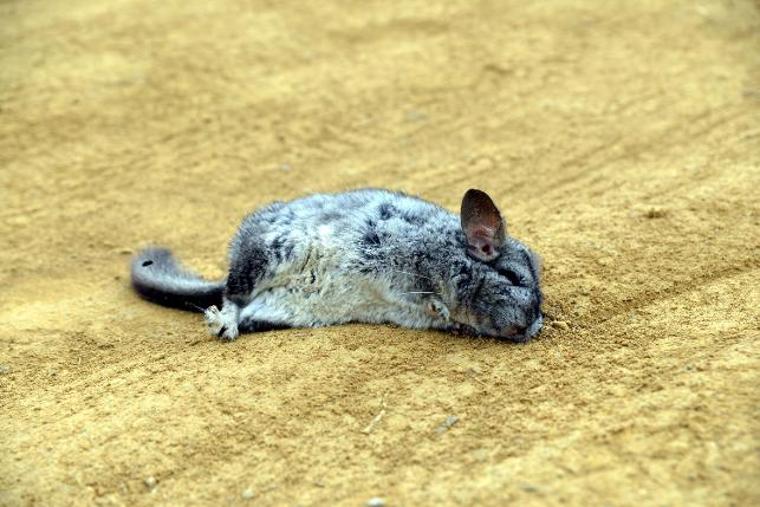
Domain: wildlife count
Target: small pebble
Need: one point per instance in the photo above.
(447, 424)
(150, 482)
(375, 502)
(652, 213)
(561, 324)
(4, 368)
(248, 494)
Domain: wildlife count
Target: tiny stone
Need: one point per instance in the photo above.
(448, 423)
(150, 482)
(652, 213)
(4, 368)
(561, 324)
(285, 167)
(375, 502)
(248, 494)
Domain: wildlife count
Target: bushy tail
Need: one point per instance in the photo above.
(158, 277)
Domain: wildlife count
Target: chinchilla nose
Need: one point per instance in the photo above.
(537, 309)
(513, 330)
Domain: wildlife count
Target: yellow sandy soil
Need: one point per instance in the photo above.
(621, 138)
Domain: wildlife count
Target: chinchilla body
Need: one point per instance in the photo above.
(371, 256)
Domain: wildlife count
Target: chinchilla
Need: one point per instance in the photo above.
(372, 256)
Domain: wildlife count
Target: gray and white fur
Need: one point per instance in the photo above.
(372, 256)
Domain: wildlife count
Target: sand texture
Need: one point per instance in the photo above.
(621, 138)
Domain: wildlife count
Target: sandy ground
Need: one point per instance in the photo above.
(621, 138)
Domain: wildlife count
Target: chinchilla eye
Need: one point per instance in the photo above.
(511, 276)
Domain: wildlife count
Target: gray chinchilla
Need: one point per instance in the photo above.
(369, 255)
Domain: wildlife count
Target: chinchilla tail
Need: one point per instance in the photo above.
(158, 277)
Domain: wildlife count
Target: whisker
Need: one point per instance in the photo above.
(191, 305)
(420, 292)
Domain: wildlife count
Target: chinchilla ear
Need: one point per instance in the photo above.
(482, 224)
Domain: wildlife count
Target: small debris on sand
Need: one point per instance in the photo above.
(561, 324)
(150, 482)
(655, 213)
(374, 422)
(4, 368)
(375, 502)
(447, 424)
(248, 494)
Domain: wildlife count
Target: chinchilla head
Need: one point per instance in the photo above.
(494, 287)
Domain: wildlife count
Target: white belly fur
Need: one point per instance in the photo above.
(317, 290)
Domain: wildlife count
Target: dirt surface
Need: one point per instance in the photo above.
(621, 138)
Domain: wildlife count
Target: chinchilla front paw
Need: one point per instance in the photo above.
(220, 325)
(436, 308)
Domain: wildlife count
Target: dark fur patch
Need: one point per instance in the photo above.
(371, 239)
(413, 219)
(281, 249)
(462, 283)
(387, 211)
(331, 216)
(258, 326)
(288, 250)
(366, 269)
(246, 269)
